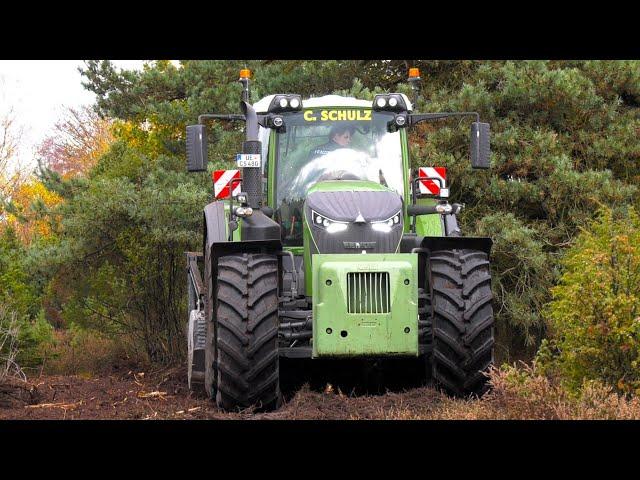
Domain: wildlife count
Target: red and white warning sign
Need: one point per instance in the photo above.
(222, 181)
(432, 186)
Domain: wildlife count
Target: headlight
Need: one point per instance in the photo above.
(331, 226)
(386, 225)
(391, 102)
(285, 103)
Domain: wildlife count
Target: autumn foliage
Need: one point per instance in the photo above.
(28, 213)
(76, 142)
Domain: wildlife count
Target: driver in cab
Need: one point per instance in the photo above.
(339, 137)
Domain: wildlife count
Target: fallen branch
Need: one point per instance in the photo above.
(156, 394)
(65, 406)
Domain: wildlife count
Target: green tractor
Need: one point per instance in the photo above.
(323, 244)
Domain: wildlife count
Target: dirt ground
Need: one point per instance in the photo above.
(164, 395)
(312, 391)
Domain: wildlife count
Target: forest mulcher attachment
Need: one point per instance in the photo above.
(324, 244)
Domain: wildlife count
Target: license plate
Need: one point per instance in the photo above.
(248, 160)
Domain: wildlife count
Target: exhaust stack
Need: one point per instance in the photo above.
(252, 176)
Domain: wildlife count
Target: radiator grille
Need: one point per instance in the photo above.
(368, 292)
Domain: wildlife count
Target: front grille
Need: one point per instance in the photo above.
(368, 292)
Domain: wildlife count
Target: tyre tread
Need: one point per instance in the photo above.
(463, 336)
(246, 342)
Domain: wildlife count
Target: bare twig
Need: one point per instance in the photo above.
(9, 331)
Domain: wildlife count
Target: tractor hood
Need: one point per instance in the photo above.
(344, 200)
(350, 216)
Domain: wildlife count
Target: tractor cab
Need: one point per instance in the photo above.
(333, 139)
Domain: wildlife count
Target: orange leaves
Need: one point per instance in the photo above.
(24, 217)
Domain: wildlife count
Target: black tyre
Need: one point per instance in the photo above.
(463, 335)
(245, 350)
(210, 374)
(425, 330)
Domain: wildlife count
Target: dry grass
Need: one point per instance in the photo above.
(87, 354)
(517, 394)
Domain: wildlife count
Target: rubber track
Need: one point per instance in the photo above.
(246, 319)
(462, 317)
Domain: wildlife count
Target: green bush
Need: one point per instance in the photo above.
(594, 316)
(35, 341)
(521, 279)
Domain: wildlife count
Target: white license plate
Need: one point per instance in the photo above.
(248, 160)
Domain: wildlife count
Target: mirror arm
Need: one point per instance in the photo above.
(218, 116)
(416, 118)
(262, 119)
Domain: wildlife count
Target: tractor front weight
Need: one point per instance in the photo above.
(365, 305)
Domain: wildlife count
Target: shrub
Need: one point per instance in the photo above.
(521, 280)
(24, 343)
(594, 315)
(9, 332)
(35, 341)
(82, 351)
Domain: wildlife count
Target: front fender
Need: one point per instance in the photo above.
(409, 242)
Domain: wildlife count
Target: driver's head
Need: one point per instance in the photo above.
(341, 134)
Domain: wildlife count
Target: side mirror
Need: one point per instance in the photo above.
(196, 148)
(480, 150)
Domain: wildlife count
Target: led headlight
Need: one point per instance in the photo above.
(386, 225)
(285, 103)
(331, 226)
(392, 102)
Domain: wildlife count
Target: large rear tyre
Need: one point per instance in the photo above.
(245, 339)
(463, 336)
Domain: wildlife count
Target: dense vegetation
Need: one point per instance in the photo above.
(100, 248)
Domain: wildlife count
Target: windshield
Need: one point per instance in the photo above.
(332, 144)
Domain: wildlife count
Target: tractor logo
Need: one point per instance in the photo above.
(359, 245)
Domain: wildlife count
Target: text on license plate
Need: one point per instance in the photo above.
(248, 160)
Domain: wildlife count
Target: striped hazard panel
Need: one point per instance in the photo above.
(222, 182)
(430, 185)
